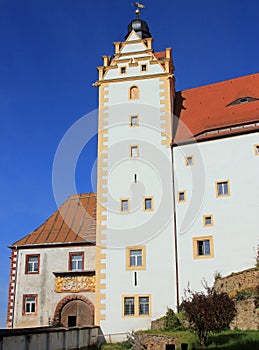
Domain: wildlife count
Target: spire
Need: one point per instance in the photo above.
(140, 26)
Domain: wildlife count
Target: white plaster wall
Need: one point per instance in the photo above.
(152, 229)
(236, 221)
(55, 259)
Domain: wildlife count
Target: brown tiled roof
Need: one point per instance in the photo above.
(73, 222)
(207, 111)
(160, 55)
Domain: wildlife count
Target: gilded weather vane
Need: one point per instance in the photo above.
(138, 7)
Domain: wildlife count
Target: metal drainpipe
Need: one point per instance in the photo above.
(175, 235)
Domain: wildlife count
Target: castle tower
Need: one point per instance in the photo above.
(135, 234)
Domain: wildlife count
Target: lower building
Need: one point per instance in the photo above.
(52, 278)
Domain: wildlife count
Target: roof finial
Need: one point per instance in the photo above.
(138, 7)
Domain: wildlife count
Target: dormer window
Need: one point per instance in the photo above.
(242, 100)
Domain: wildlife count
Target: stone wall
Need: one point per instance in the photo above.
(247, 315)
(157, 325)
(238, 281)
(247, 310)
(155, 342)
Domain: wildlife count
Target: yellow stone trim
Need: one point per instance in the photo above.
(101, 215)
(166, 111)
(124, 60)
(143, 58)
(115, 66)
(136, 305)
(222, 195)
(132, 53)
(195, 247)
(117, 47)
(204, 220)
(133, 78)
(128, 250)
(134, 64)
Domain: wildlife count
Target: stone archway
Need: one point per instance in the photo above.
(74, 310)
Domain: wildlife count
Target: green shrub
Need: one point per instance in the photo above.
(171, 321)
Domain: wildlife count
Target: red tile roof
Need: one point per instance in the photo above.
(204, 112)
(73, 222)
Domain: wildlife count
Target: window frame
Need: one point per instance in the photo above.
(136, 298)
(134, 146)
(128, 256)
(130, 121)
(178, 196)
(204, 220)
(141, 67)
(121, 68)
(27, 257)
(137, 93)
(24, 304)
(152, 204)
(186, 160)
(196, 254)
(122, 200)
(228, 187)
(70, 260)
(256, 149)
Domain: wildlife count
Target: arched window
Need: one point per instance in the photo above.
(134, 93)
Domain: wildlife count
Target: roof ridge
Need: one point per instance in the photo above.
(219, 82)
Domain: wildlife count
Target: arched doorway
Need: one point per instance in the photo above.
(74, 310)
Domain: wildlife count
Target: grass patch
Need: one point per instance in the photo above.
(117, 346)
(233, 340)
(228, 340)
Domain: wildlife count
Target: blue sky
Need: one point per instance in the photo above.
(49, 54)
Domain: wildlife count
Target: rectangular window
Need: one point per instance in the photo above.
(29, 304)
(134, 121)
(129, 306)
(256, 149)
(148, 204)
(123, 70)
(134, 151)
(188, 160)
(136, 258)
(143, 305)
(203, 247)
(208, 220)
(136, 306)
(222, 188)
(143, 68)
(124, 205)
(181, 196)
(76, 261)
(32, 264)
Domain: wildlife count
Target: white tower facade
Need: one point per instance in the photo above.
(135, 263)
